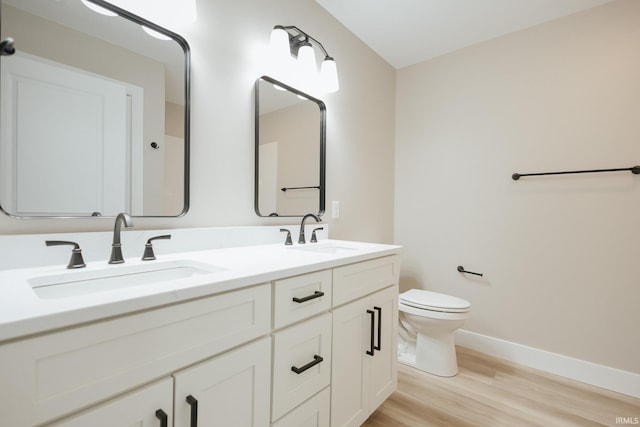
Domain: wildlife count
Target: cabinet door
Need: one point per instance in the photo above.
(383, 371)
(138, 409)
(364, 356)
(351, 338)
(231, 390)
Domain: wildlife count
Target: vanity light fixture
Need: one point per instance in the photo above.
(291, 42)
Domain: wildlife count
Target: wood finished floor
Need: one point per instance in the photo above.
(492, 392)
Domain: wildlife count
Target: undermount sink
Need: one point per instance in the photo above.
(328, 248)
(76, 282)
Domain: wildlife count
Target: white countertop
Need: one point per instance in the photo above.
(23, 312)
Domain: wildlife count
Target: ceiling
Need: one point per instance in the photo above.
(406, 32)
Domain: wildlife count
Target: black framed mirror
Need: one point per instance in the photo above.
(94, 112)
(290, 151)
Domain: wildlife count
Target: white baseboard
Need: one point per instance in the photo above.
(590, 373)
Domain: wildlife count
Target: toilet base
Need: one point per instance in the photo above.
(433, 355)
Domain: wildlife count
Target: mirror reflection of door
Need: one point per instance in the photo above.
(69, 140)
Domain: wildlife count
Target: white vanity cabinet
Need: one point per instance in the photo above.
(292, 352)
(46, 377)
(364, 339)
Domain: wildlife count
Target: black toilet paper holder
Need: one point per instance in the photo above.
(462, 270)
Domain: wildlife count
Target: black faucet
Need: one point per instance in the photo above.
(301, 239)
(116, 247)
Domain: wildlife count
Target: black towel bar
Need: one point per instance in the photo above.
(633, 169)
(317, 187)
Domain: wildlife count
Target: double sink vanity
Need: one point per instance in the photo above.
(253, 335)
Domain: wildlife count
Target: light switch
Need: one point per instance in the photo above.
(335, 209)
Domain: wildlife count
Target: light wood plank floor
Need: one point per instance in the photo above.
(492, 392)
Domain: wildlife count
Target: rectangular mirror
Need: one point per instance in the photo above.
(94, 112)
(289, 151)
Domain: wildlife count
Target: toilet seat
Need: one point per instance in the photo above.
(433, 301)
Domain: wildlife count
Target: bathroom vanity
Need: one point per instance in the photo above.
(247, 336)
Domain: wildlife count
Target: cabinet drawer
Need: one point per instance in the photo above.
(301, 297)
(356, 280)
(62, 372)
(300, 347)
(312, 413)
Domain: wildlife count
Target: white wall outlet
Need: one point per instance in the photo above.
(335, 209)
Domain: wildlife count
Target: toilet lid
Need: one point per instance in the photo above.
(428, 300)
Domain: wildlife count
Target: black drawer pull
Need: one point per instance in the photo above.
(379, 310)
(316, 359)
(162, 416)
(193, 402)
(373, 323)
(316, 294)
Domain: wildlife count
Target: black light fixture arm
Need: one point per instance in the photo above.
(296, 39)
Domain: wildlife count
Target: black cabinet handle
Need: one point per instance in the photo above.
(193, 402)
(162, 416)
(373, 323)
(316, 359)
(316, 294)
(379, 310)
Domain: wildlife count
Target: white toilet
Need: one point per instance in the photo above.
(427, 323)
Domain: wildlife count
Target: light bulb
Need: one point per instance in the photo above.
(307, 59)
(279, 43)
(280, 58)
(329, 75)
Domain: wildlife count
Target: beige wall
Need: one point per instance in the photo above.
(227, 43)
(174, 119)
(560, 254)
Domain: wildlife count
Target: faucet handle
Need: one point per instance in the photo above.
(76, 260)
(287, 242)
(314, 239)
(148, 247)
